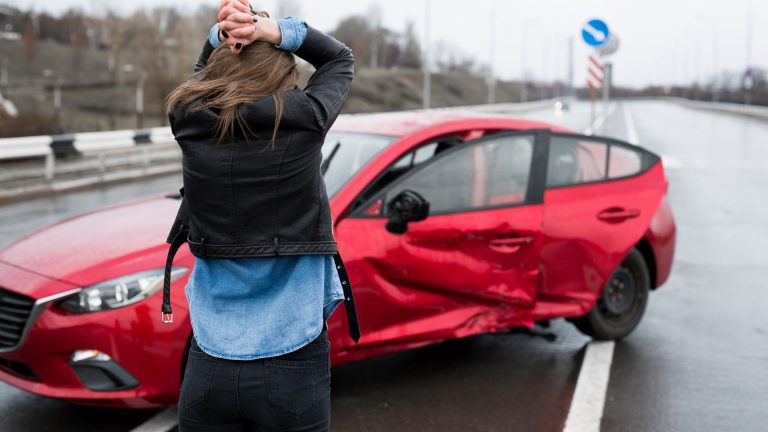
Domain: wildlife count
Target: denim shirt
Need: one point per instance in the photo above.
(250, 308)
(294, 32)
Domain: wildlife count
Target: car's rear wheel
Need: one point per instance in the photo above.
(622, 304)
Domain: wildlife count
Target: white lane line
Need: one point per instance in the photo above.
(669, 161)
(631, 131)
(588, 401)
(600, 120)
(162, 422)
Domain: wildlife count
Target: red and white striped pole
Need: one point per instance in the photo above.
(595, 80)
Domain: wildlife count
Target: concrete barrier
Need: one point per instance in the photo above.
(754, 111)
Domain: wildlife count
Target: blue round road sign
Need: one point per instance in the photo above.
(595, 33)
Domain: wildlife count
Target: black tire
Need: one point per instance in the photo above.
(622, 303)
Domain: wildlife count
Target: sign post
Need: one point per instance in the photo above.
(749, 82)
(595, 80)
(597, 35)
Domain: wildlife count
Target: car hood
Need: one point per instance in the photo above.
(68, 249)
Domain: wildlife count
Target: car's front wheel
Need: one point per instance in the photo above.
(622, 304)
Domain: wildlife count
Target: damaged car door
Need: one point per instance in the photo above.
(451, 248)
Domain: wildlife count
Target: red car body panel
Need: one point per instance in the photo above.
(439, 280)
(572, 228)
(661, 236)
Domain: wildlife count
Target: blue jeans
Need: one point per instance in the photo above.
(291, 392)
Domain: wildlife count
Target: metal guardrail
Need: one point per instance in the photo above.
(49, 146)
(512, 107)
(118, 156)
(755, 111)
(25, 147)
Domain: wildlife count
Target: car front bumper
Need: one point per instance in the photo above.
(143, 367)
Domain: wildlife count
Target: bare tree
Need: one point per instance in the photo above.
(448, 58)
(74, 23)
(411, 54)
(29, 40)
(374, 26)
(354, 32)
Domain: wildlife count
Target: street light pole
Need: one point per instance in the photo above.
(427, 90)
(524, 60)
(57, 99)
(715, 65)
(140, 100)
(4, 74)
(748, 89)
(492, 54)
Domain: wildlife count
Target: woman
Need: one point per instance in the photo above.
(256, 216)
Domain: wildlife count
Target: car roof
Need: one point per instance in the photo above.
(403, 123)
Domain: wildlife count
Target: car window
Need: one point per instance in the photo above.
(624, 162)
(489, 173)
(424, 153)
(575, 160)
(344, 154)
(405, 163)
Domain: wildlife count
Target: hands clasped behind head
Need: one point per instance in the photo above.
(240, 25)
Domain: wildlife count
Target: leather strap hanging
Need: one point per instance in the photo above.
(181, 237)
(349, 300)
(178, 240)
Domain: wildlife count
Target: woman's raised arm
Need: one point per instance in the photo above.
(333, 61)
(335, 68)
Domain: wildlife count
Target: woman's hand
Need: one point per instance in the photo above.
(226, 8)
(243, 28)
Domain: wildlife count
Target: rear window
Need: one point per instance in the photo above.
(573, 161)
(577, 160)
(624, 162)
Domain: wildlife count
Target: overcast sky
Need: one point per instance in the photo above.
(662, 41)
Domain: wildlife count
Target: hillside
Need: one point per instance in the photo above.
(95, 99)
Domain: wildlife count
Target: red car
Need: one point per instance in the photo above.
(450, 225)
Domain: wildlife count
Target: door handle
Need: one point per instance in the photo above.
(509, 244)
(616, 214)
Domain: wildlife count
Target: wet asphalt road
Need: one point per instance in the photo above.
(697, 362)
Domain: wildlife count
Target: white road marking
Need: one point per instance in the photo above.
(600, 120)
(669, 161)
(162, 422)
(631, 131)
(588, 401)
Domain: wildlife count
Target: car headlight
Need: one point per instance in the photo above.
(119, 292)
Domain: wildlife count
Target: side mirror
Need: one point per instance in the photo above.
(407, 206)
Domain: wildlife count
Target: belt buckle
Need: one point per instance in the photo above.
(167, 318)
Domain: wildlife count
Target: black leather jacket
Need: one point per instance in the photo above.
(245, 198)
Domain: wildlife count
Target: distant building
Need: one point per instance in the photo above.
(6, 13)
(7, 32)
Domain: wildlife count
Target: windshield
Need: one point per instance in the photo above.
(344, 154)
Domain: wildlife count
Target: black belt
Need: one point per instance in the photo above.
(349, 300)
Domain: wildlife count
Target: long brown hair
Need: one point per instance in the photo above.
(228, 80)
